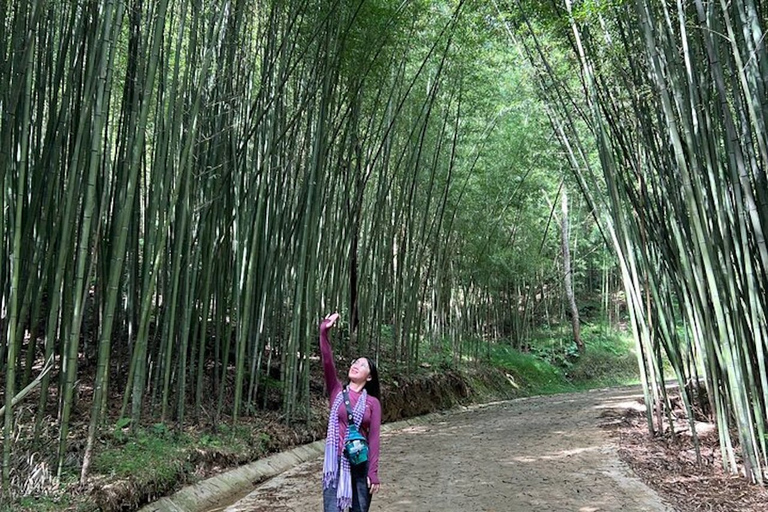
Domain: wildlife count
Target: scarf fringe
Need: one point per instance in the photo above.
(332, 473)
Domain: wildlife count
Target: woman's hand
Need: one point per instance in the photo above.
(328, 321)
(373, 488)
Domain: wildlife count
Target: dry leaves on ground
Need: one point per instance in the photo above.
(669, 466)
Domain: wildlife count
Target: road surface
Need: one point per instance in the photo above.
(526, 455)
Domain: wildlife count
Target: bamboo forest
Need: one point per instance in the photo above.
(480, 188)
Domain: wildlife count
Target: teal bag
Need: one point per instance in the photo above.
(355, 444)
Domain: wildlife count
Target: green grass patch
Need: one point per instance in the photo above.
(538, 375)
(609, 359)
(552, 363)
(155, 450)
(39, 504)
(158, 453)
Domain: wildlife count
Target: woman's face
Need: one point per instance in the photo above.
(360, 371)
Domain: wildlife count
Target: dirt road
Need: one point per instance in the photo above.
(528, 455)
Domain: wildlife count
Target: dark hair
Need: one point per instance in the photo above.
(372, 386)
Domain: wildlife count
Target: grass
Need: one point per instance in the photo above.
(38, 504)
(167, 451)
(538, 375)
(610, 360)
(157, 448)
(553, 363)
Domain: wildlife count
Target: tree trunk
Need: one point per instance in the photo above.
(568, 274)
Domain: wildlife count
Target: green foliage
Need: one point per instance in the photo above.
(599, 368)
(210, 441)
(119, 433)
(438, 353)
(157, 448)
(158, 458)
(165, 450)
(68, 501)
(592, 10)
(610, 358)
(538, 375)
(38, 504)
(561, 357)
(553, 363)
(555, 345)
(160, 430)
(387, 333)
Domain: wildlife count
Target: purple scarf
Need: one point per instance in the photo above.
(331, 473)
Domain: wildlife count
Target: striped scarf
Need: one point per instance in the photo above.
(331, 473)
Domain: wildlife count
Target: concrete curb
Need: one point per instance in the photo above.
(208, 493)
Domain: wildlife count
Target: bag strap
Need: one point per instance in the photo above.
(350, 416)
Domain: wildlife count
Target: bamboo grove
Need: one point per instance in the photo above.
(189, 186)
(673, 94)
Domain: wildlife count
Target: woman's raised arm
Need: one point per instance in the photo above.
(332, 383)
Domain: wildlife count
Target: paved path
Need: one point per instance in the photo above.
(528, 455)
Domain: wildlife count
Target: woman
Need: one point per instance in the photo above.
(344, 485)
